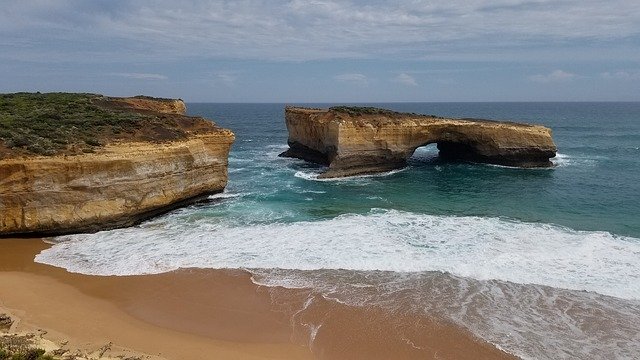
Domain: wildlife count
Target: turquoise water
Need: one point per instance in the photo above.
(544, 263)
(595, 186)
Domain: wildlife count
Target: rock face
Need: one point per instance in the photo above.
(119, 184)
(354, 141)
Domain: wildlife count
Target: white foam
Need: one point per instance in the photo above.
(307, 175)
(226, 195)
(516, 167)
(561, 160)
(313, 192)
(314, 175)
(475, 247)
(235, 170)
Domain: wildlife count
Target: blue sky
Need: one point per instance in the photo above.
(325, 51)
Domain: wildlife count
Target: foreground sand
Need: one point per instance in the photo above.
(201, 314)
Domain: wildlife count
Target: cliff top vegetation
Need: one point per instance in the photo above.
(73, 123)
(367, 110)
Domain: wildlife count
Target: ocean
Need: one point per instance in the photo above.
(543, 263)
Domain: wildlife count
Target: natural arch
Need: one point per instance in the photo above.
(354, 141)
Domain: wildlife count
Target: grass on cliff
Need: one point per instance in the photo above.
(363, 110)
(53, 123)
(367, 110)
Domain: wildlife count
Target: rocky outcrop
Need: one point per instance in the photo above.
(352, 141)
(119, 184)
(146, 103)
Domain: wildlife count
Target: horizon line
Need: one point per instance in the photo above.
(408, 102)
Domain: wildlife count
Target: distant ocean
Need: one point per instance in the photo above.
(544, 263)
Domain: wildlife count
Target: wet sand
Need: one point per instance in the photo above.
(214, 314)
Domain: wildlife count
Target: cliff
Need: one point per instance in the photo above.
(354, 141)
(154, 161)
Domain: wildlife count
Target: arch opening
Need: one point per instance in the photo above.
(459, 151)
(445, 151)
(424, 154)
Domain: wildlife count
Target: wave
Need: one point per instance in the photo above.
(562, 160)
(314, 175)
(313, 192)
(529, 321)
(236, 170)
(226, 195)
(388, 240)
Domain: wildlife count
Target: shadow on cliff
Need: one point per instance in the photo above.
(427, 156)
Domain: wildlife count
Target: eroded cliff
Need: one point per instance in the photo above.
(354, 141)
(155, 167)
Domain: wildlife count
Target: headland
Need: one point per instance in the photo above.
(85, 162)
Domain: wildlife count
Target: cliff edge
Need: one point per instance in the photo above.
(353, 141)
(84, 162)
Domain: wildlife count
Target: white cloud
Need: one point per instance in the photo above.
(226, 78)
(554, 76)
(352, 77)
(405, 79)
(621, 75)
(298, 30)
(141, 76)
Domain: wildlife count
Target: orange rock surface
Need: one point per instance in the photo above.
(119, 184)
(353, 141)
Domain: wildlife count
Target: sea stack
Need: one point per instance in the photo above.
(83, 162)
(357, 140)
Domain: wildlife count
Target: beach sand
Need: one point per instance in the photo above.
(208, 314)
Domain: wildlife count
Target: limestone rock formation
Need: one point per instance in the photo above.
(117, 184)
(352, 141)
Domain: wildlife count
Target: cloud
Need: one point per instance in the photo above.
(227, 78)
(299, 30)
(554, 76)
(405, 79)
(621, 75)
(141, 76)
(352, 77)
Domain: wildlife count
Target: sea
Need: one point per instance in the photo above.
(543, 263)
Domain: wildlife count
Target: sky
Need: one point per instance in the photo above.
(325, 51)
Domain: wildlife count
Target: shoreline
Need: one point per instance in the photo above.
(205, 313)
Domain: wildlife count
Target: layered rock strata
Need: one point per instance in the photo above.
(354, 141)
(119, 184)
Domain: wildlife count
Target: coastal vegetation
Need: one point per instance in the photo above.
(70, 123)
(20, 347)
(369, 110)
(362, 110)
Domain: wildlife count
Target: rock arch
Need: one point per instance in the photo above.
(353, 141)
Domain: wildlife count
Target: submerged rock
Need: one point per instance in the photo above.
(353, 141)
(146, 159)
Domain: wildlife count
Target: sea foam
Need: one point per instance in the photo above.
(315, 175)
(390, 240)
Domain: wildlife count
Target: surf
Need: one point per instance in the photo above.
(482, 248)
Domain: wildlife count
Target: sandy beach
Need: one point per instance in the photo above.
(204, 314)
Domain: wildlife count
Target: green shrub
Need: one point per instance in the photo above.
(362, 110)
(92, 142)
(46, 124)
(24, 354)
